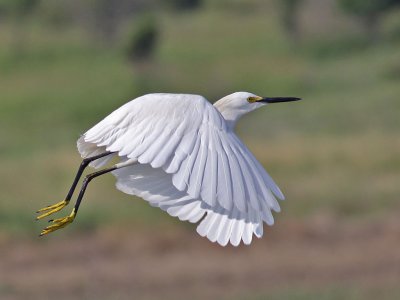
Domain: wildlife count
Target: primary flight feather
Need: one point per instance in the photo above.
(180, 153)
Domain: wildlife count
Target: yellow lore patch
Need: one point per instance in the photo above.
(254, 99)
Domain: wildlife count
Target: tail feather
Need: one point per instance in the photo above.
(87, 149)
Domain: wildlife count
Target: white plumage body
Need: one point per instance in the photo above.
(190, 162)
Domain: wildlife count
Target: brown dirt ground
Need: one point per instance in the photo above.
(175, 263)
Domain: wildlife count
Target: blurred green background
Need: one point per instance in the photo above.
(64, 65)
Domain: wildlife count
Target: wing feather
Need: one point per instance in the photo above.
(235, 173)
(212, 168)
(269, 182)
(224, 184)
(237, 230)
(166, 152)
(155, 147)
(250, 181)
(125, 143)
(187, 143)
(180, 178)
(150, 135)
(196, 172)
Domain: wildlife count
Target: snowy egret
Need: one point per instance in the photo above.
(180, 153)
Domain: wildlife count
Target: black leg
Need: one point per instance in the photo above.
(85, 183)
(62, 222)
(82, 167)
(51, 209)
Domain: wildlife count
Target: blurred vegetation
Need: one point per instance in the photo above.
(370, 12)
(18, 12)
(184, 4)
(143, 39)
(290, 19)
(18, 7)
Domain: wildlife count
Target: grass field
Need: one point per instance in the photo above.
(335, 155)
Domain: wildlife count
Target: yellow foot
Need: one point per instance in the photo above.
(51, 209)
(59, 223)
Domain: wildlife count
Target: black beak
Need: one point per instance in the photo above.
(278, 99)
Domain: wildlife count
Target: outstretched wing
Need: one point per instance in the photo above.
(188, 138)
(217, 224)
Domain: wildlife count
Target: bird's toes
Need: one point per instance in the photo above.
(51, 209)
(58, 223)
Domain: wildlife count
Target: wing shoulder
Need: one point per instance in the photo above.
(152, 126)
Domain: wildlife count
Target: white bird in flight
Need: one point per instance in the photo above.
(180, 153)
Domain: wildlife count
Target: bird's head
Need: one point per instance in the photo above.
(235, 105)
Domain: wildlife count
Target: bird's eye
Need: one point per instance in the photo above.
(252, 99)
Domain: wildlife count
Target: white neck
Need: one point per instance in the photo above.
(231, 117)
(231, 112)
